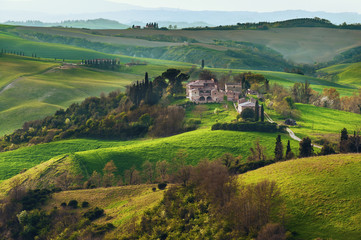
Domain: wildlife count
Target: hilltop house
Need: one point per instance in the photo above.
(204, 91)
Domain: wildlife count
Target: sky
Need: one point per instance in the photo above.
(78, 6)
(253, 5)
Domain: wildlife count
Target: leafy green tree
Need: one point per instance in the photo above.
(247, 114)
(278, 149)
(306, 149)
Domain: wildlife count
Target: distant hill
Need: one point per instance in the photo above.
(99, 23)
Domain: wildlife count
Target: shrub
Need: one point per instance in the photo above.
(154, 189)
(248, 114)
(84, 204)
(63, 204)
(162, 186)
(272, 231)
(249, 127)
(94, 213)
(73, 204)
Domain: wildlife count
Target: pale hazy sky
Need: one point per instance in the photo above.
(66, 6)
(253, 5)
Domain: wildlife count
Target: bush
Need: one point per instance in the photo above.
(73, 204)
(93, 214)
(63, 204)
(272, 231)
(154, 189)
(84, 204)
(249, 127)
(248, 114)
(162, 186)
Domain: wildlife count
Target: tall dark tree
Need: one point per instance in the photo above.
(307, 92)
(289, 153)
(306, 149)
(344, 148)
(278, 149)
(202, 63)
(262, 113)
(256, 112)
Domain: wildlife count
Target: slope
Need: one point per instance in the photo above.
(192, 146)
(322, 195)
(321, 44)
(348, 74)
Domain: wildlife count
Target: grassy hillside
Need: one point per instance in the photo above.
(319, 122)
(196, 145)
(40, 93)
(346, 74)
(322, 195)
(322, 44)
(121, 204)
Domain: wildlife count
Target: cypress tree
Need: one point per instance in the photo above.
(289, 153)
(202, 63)
(256, 111)
(306, 149)
(344, 148)
(278, 149)
(262, 113)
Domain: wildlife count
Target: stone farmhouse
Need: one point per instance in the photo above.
(233, 91)
(207, 91)
(204, 91)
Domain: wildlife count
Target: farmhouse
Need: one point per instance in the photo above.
(245, 104)
(233, 91)
(204, 91)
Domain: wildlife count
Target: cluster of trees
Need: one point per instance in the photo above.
(114, 116)
(111, 64)
(21, 217)
(299, 22)
(350, 143)
(211, 199)
(19, 53)
(256, 115)
(152, 25)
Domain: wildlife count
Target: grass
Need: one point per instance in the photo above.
(321, 194)
(301, 45)
(11, 163)
(319, 122)
(121, 204)
(89, 155)
(345, 74)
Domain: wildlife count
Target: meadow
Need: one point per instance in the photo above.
(94, 154)
(122, 205)
(345, 74)
(321, 195)
(322, 123)
(322, 44)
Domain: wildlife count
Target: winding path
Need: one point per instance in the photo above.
(290, 132)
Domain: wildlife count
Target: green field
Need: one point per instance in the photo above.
(321, 44)
(319, 122)
(121, 204)
(345, 74)
(198, 145)
(322, 195)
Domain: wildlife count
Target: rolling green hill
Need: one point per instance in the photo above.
(322, 44)
(197, 145)
(322, 123)
(348, 74)
(322, 195)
